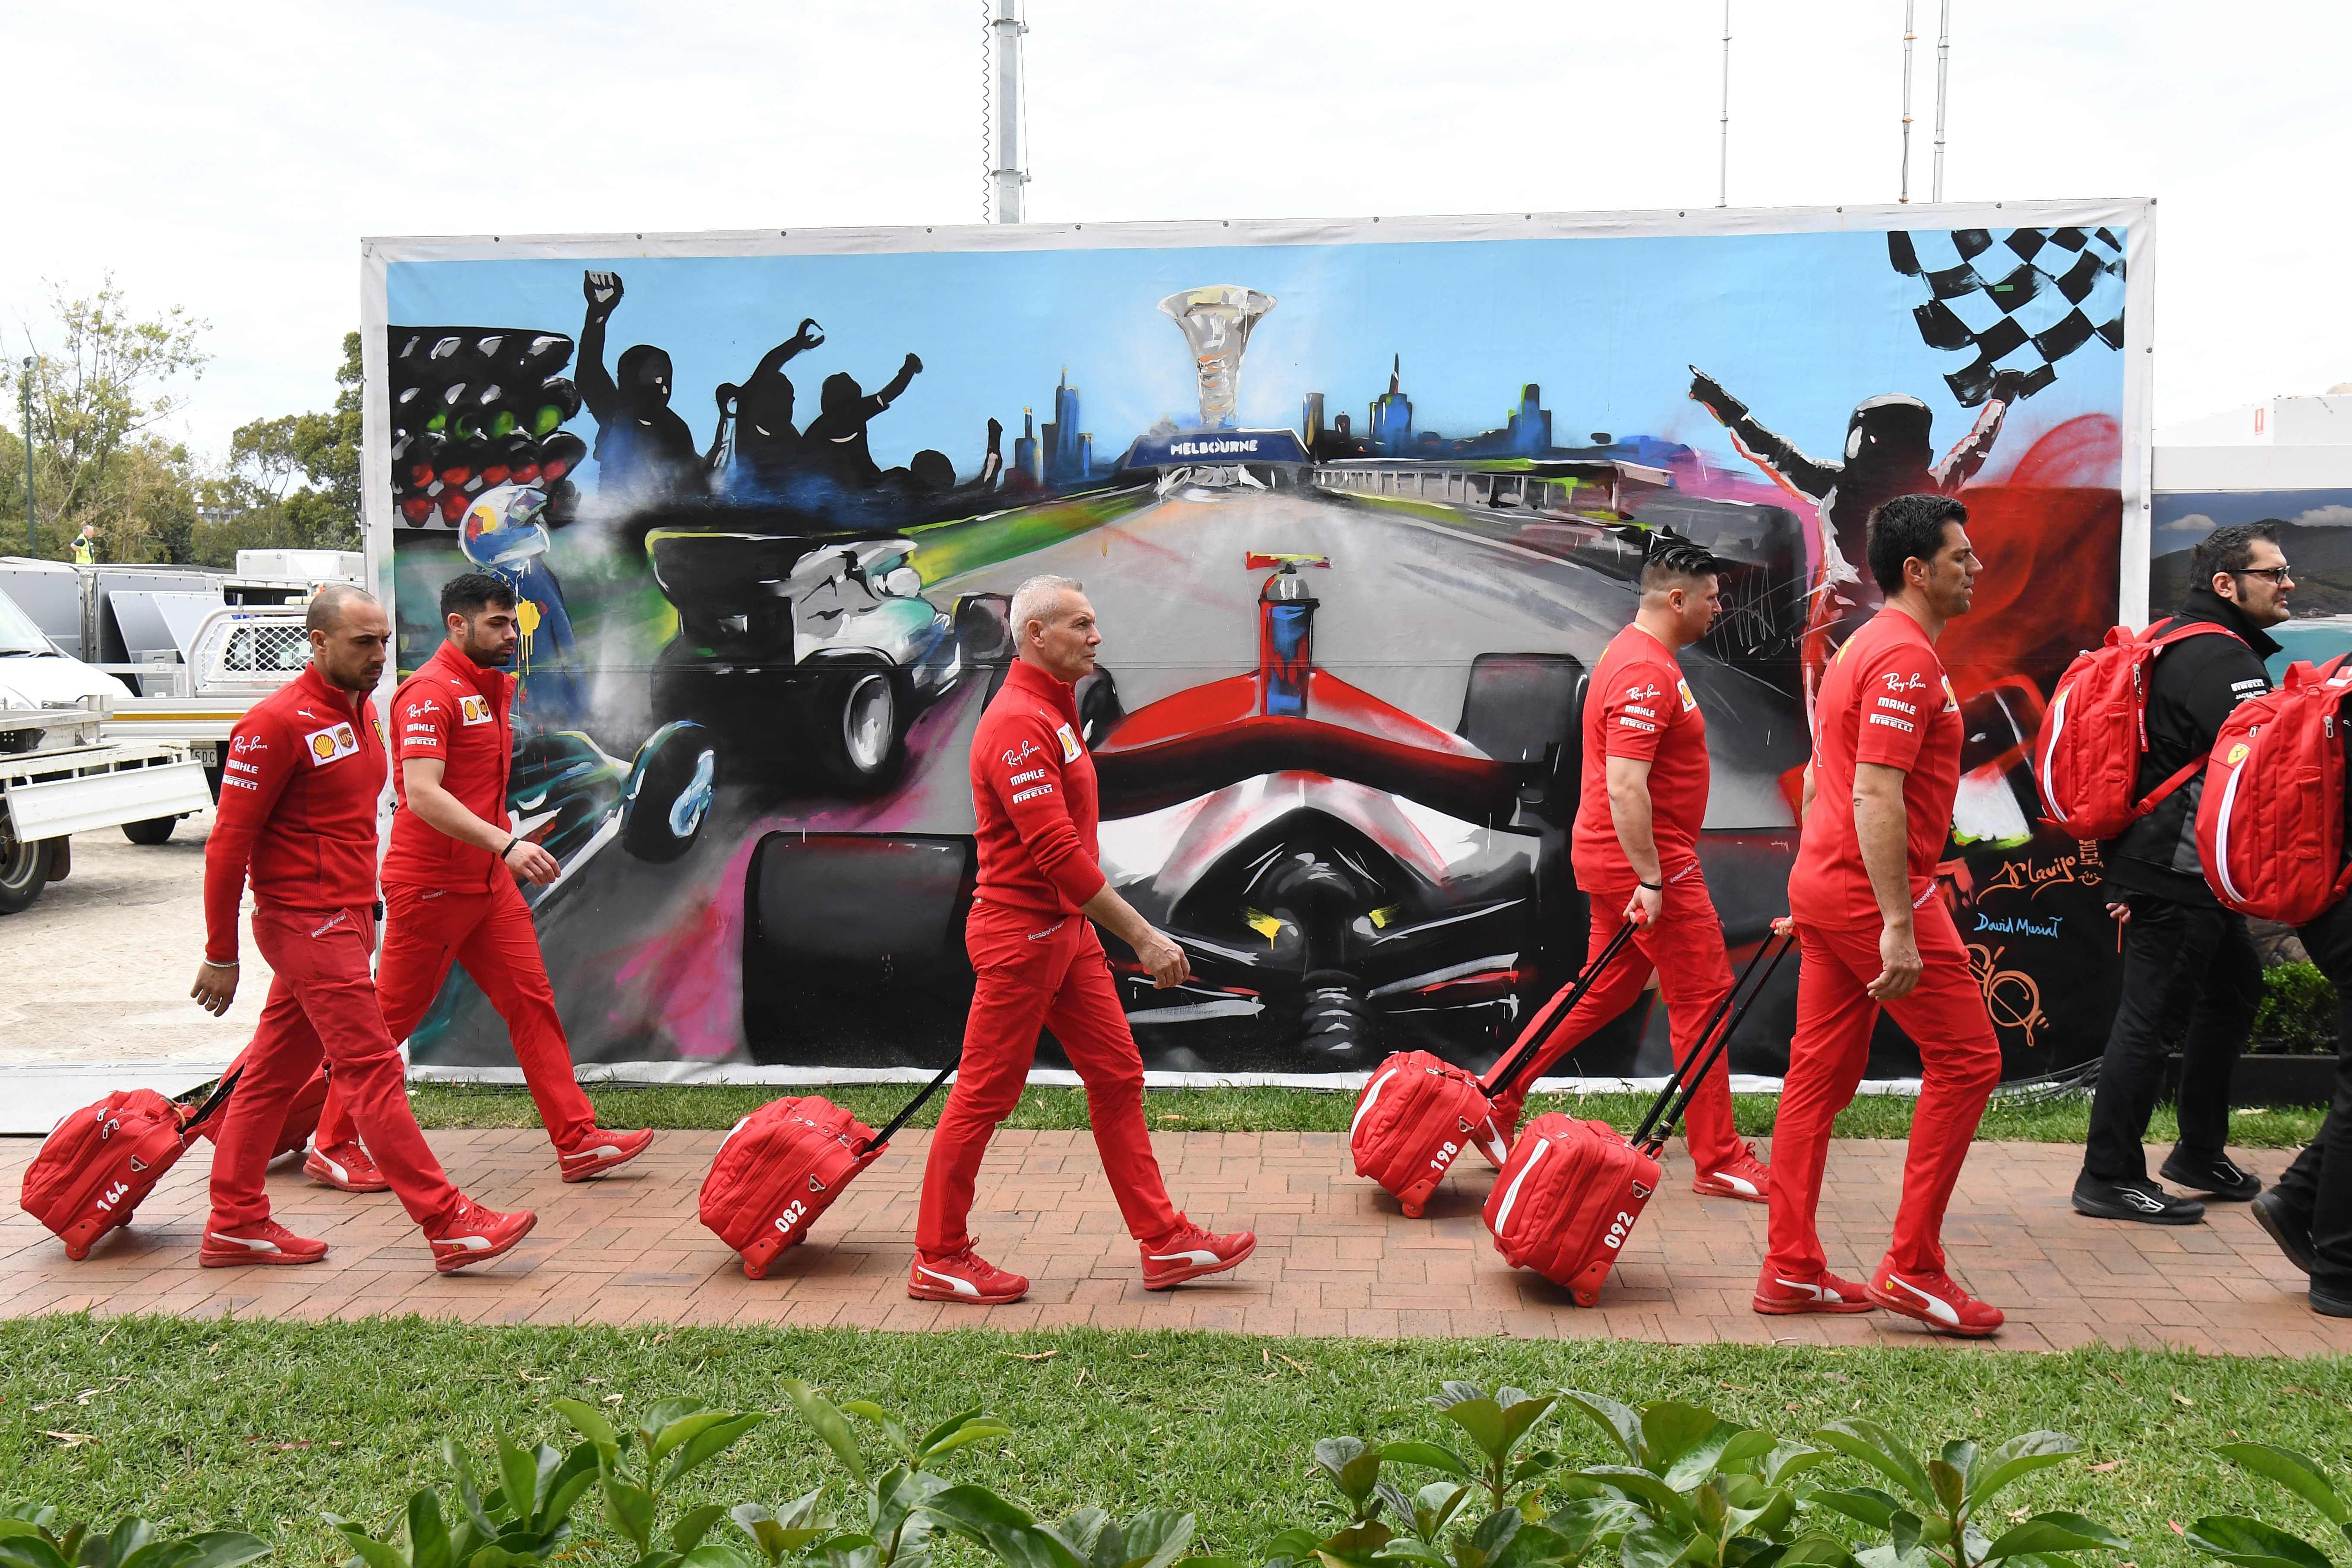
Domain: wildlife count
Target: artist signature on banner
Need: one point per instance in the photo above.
(2034, 875)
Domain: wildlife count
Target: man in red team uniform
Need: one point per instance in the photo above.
(449, 880)
(1635, 850)
(299, 793)
(1873, 933)
(1038, 963)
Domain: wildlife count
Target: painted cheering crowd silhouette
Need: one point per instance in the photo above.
(644, 451)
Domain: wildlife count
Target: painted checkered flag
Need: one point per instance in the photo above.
(2021, 300)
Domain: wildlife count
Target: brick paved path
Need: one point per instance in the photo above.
(1335, 1255)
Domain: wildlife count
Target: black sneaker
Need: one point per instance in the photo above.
(2330, 1306)
(2214, 1175)
(2143, 1201)
(2279, 1222)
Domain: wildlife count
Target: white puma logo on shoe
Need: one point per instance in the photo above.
(961, 1287)
(1813, 1292)
(1937, 1308)
(250, 1244)
(1201, 1257)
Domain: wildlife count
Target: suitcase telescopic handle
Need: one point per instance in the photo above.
(212, 1102)
(1660, 1123)
(864, 1145)
(1530, 1041)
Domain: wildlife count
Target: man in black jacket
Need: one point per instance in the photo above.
(2190, 971)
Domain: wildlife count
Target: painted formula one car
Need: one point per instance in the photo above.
(1327, 858)
(570, 796)
(793, 646)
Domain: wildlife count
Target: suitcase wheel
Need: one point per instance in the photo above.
(1412, 1205)
(754, 1268)
(76, 1250)
(1585, 1296)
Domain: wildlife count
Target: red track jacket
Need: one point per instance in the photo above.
(458, 713)
(298, 804)
(1033, 792)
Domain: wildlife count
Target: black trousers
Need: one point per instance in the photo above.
(2190, 975)
(2317, 1188)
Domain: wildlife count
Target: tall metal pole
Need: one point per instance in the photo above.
(1908, 35)
(32, 544)
(1943, 69)
(1723, 158)
(1006, 175)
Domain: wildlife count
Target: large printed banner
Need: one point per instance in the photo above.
(1358, 505)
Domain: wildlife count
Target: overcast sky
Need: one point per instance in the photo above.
(229, 159)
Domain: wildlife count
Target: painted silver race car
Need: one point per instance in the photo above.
(796, 646)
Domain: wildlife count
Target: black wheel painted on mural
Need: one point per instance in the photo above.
(858, 716)
(670, 792)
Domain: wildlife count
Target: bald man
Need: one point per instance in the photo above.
(1038, 965)
(298, 816)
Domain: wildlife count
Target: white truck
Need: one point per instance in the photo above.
(59, 774)
(237, 656)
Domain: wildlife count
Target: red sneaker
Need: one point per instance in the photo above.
(600, 1151)
(1508, 1107)
(965, 1277)
(346, 1167)
(1188, 1252)
(1778, 1296)
(1934, 1301)
(262, 1241)
(476, 1235)
(1743, 1176)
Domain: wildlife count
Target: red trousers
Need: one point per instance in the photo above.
(491, 935)
(1959, 1063)
(1033, 971)
(1685, 948)
(321, 1002)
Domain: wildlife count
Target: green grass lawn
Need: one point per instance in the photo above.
(261, 1425)
(2059, 1120)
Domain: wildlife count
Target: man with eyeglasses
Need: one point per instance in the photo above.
(2190, 971)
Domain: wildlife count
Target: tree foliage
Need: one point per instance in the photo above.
(101, 380)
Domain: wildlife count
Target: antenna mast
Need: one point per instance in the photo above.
(1006, 172)
(1943, 69)
(1908, 35)
(1723, 159)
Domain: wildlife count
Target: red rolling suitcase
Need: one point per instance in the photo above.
(779, 1168)
(301, 1113)
(1572, 1191)
(1418, 1111)
(100, 1163)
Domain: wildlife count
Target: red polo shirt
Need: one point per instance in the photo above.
(1885, 699)
(298, 802)
(458, 713)
(1638, 705)
(1033, 792)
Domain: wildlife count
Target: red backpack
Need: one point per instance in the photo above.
(2270, 826)
(2095, 732)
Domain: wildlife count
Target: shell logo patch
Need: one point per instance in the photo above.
(473, 709)
(1069, 743)
(1951, 703)
(1689, 701)
(331, 744)
(2238, 753)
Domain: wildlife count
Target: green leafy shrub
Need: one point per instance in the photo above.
(2298, 1011)
(2234, 1538)
(29, 1539)
(637, 1465)
(1937, 1518)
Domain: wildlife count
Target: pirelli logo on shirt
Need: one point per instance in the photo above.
(331, 744)
(473, 709)
(1632, 723)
